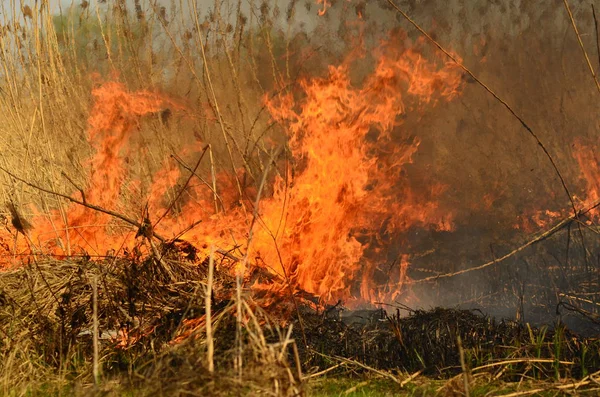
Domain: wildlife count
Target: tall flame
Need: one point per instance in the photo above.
(322, 226)
(350, 188)
(113, 119)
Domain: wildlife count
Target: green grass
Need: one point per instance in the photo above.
(377, 387)
(351, 385)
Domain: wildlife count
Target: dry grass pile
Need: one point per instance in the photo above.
(151, 330)
(148, 317)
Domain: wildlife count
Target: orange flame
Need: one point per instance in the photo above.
(323, 225)
(326, 5)
(350, 189)
(113, 120)
(589, 168)
(590, 173)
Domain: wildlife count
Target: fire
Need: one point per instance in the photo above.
(325, 4)
(112, 122)
(326, 216)
(589, 168)
(351, 189)
(590, 173)
(538, 220)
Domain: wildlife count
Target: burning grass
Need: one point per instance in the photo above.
(148, 317)
(188, 194)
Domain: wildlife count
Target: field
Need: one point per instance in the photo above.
(299, 198)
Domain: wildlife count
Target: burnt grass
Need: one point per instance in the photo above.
(160, 306)
(427, 341)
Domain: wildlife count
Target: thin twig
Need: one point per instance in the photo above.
(463, 366)
(96, 369)
(489, 90)
(122, 217)
(585, 55)
(570, 386)
(523, 393)
(211, 187)
(210, 347)
(185, 185)
(521, 360)
(187, 229)
(297, 360)
(76, 186)
(354, 388)
(284, 270)
(511, 111)
(536, 239)
(239, 273)
(213, 176)
(215, 102)
(323, 372)
(597, 34)
(359, 364)
(410, 378)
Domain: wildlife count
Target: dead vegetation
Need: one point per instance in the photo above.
(162, 316)
(149, 321)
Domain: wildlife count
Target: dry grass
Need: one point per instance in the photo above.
(50, 63)
(152, 331)
(217, 66)
(50, 60)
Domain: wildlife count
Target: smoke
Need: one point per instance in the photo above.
(499, 184)
(474, 158)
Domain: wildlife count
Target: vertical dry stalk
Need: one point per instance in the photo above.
(297, 360)
(238, 364)
(587, 59)
(105, 38)
(463, 365)
(213, 176)
(241, 269)
(215, 102)
(207, 303)
(597, 35)
(96, 368)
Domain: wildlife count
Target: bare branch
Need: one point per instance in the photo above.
(536, 239)
(122, 217)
